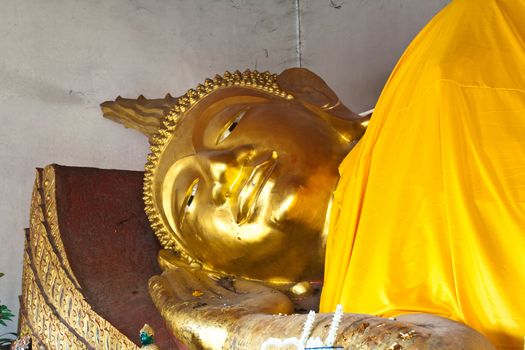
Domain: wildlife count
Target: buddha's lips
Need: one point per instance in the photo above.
(251, 190)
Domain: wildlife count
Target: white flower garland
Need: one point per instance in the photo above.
(306, 341)
(332, 333)
(308, 325)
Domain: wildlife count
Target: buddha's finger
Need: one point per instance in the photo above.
(181, 282)
(191, 285)
(162, 294)
(263, 299)
(223, 287)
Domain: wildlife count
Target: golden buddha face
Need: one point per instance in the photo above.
(245, 182)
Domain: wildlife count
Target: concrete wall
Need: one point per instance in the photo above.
(60, 59)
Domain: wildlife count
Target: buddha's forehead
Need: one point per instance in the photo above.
(198, 118)
(200, 115)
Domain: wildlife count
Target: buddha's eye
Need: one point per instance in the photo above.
(231, 125)
(188, 201)
(190, 196)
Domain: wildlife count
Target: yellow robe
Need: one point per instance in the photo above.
(429, 213)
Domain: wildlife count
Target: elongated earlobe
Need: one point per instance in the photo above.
(307, 86)
(312, 91)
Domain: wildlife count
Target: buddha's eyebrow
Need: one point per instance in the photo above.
(206, 115)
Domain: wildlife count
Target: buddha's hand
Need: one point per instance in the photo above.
(201, 311)
(213, 314)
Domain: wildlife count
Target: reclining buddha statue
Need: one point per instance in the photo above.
(264, 189)
(238, 189)
(425, 224)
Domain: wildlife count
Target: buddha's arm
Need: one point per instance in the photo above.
(206, 314)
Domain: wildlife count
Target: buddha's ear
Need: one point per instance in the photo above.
(307, 86)
(310, 88)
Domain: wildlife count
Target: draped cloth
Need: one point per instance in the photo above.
(429, 213)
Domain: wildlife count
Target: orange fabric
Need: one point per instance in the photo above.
(429, 213)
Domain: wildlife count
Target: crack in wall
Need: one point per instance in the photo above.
(299, 43)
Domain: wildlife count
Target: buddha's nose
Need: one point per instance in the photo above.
(225, 169)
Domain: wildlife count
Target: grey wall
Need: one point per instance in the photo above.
(60, 59)
(355, 44)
